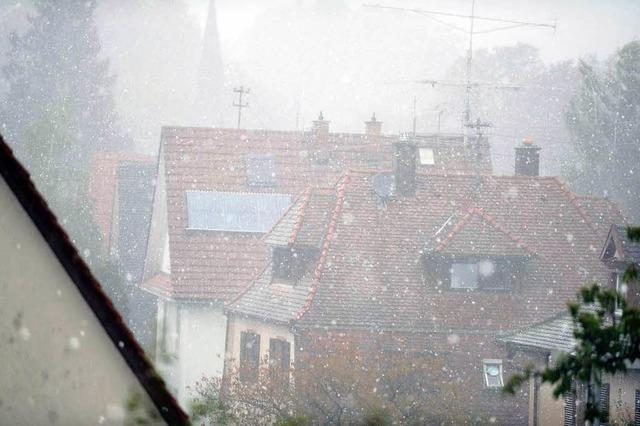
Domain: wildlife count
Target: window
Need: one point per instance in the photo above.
(234, 211)
(636, 421)
(485, 274)
(570, 407)
(170, 336)
(290, 264)
(427, 157)
(261, 170)
(279, 360)
(282, 259)
(249, 356)
(621, 288)
(605, 391)
(492, 369)
(464, 275)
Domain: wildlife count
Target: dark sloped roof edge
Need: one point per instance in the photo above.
(33, 203)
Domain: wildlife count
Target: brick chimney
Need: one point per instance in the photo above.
(404, 167)
(527, 159)
(373, 127)
(321, 130)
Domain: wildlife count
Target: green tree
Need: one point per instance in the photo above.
(56, 66)
(57, 112)
(604, 122)
(608, 342)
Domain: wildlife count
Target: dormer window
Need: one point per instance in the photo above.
(261, 170)
(291, 263)
(464, 276)
(283, 263)
(484, 274)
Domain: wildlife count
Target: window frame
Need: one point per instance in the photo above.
(475, 270)
(249, 362)
(503, 274)
(430, 158)
(256, 179)
(492, 362)
(278, 355)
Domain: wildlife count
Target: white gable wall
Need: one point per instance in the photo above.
(201, 347)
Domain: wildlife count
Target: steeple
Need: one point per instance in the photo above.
(210, 100)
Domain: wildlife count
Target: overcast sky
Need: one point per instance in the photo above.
(583, 26)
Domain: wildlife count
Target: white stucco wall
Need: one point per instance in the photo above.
(157, 255)
(201, 347)
(57, 364)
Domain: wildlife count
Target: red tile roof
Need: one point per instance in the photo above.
(370, 270)
(218, 265)
(477, 232)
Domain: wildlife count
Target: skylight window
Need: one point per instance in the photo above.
(427, 157)
(261, 170)
(235, 211)
(492, 369)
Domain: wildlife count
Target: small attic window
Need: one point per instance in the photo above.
(483, 274)
(291, 263)
(261, 170)
(492, 369)
(427, 157)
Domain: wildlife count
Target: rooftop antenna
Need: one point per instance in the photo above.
(415, 101)
(479, 127)
(504, 24)
(240, 91)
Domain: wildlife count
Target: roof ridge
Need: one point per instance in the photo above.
(487, 218)
(341, 191)
(244, 291)
(573, 199)
(491, 220)
(284, 214)
(534, 325)
(301, 212)
(455, 229)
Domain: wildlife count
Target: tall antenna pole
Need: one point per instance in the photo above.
(415, 100)
(504, 24)
(479, 127)
(240, 91)
(467, 100)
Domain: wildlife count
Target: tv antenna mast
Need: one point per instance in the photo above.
(241, 91)
(468, 84)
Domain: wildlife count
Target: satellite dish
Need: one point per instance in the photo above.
(384, 185)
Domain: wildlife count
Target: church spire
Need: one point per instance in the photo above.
(210, 97)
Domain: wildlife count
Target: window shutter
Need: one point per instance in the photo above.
(570, 407)
(279, 360)
(249, 356)
(636, 421)
(605, 391)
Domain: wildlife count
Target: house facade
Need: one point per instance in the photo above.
(219, 191)
(620, 393)
(428, 266)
